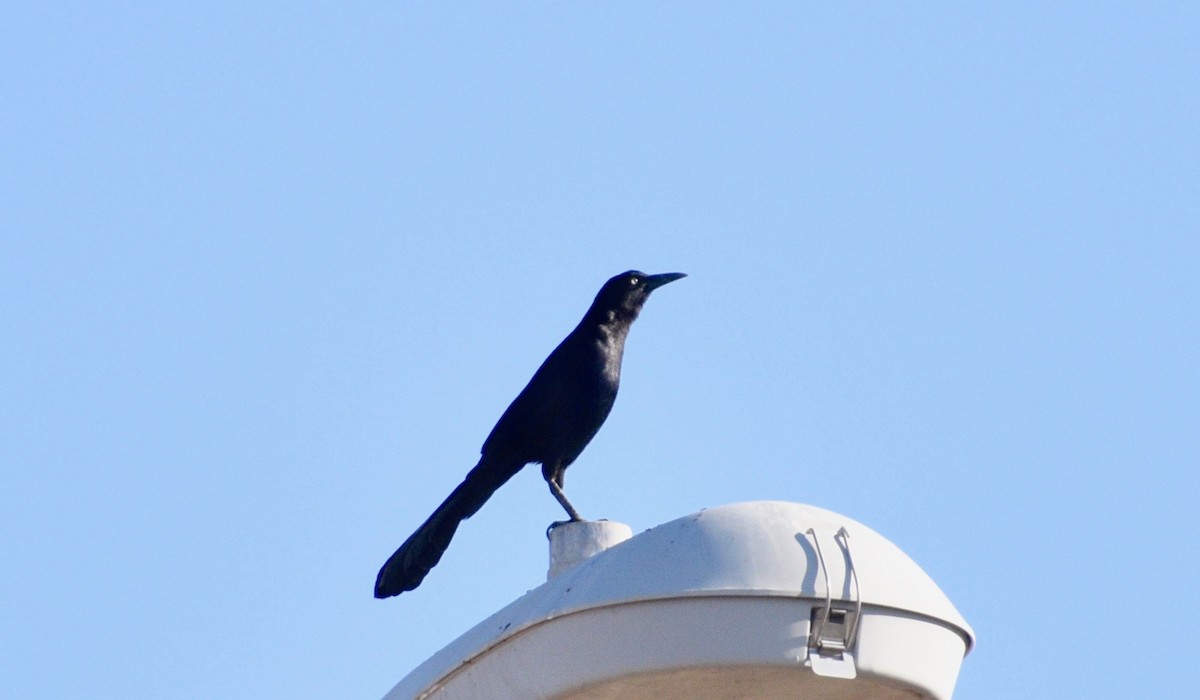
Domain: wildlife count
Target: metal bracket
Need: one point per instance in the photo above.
(833, 626)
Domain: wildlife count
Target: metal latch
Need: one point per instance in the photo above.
(833, 627)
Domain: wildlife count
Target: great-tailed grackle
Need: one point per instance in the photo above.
(550, 422)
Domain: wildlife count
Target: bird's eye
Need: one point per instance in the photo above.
(633, 280)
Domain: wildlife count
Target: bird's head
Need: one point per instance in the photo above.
(622, 296)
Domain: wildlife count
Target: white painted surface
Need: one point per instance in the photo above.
(575, 542)
(717, 604)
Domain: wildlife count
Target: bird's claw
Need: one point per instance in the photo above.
(560, 523)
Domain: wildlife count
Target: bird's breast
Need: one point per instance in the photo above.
(610, 347)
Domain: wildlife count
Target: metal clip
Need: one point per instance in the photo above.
(833, 627)
(843, 540)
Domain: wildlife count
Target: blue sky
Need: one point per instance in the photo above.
(269, 274)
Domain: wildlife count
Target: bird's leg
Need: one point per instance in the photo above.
(562, 500)
(553, 472)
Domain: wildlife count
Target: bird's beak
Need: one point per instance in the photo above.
(655, 281)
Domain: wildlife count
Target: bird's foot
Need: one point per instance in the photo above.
(560, 523)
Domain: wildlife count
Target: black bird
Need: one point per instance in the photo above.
(550, 422)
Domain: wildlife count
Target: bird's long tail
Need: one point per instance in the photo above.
(405, 569)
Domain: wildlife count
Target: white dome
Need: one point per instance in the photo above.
(721, 603)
